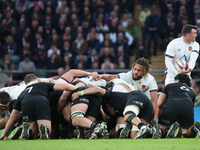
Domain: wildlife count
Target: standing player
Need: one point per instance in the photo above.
(184, 47)
(35, 108)
(177, 102)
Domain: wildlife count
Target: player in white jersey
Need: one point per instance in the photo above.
(184, 47)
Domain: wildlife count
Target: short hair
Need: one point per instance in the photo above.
(143, 62)
(29, 77)
(4, 97)
(183, 78)
(187, 29)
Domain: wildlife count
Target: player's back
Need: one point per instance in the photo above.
(36, 90)
(179, 91)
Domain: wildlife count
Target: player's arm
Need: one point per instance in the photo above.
(3, 121)
(108, 77)
(169, 56)
(64, 86)
(162, 100)
(192, 62)
(89, 91)
(154, 99)
(75, 72)
(11, 121)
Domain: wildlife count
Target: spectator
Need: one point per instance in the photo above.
(66, 35)
(25, 51)
(106, 53)
(170, 33)
(152, 25)
(10, 21)
(37, 42)
(124, 20)
(107, 44)
(141, 52)
(64, 5)
(10, 47)
(4, 31)
(27, 64)
(123, 57)
(61, 26)
(92, 43)
(80, 45)
(60, 71)
(9, 82)
(82, 61)
(53, 50)
(5, 62)
(143, 15)
(107, 64)
(40, 59)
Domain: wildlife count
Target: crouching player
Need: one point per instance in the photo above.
(133, 105)
(35, 108)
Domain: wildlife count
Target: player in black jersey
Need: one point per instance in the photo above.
(177, 104)
(133, 105)
(35, 108)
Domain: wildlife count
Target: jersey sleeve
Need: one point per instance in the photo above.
(193, 56)
(17, 105)
(153, 87)
(124, 76)
(107, 95)
(170, 52)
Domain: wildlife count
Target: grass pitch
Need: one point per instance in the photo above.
(102, 144)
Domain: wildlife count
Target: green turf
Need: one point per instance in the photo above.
(100, 144)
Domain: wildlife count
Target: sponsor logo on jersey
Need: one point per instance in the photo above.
(190, 48)
(143, 86)
(132, 83)
(84, 100)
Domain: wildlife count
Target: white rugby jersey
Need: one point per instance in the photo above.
(89, 79)
(17, 91)
(176, 49)
(116, 87)
(146, 85)
(8, 89)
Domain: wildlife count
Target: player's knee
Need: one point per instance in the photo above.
(130, 112)
(75, 117)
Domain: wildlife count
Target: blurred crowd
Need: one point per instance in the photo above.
(88, 34)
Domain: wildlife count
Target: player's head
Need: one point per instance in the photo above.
(4, 100)
(30, 77)
(190, 32)
(140, 68)
(183, 78)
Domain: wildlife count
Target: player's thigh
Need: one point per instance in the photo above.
(186, 119)
(42, 110)
(170, 114)
(80, 104)
(94, 107)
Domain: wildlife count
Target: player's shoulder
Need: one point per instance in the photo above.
(176, 41)
(149, 77)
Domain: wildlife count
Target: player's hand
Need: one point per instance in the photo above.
(80, 84)
(75, 96)
(95, 76)
(185, 71)
(3, 137)
(50, 80)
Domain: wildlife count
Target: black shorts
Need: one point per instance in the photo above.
(177, 110)
(143, 102)
(35, 108)
(82, 99)
(94, 107)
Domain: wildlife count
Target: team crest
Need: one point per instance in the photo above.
(140, 82)
(190, 48)
(143, 86)
(179, 50)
